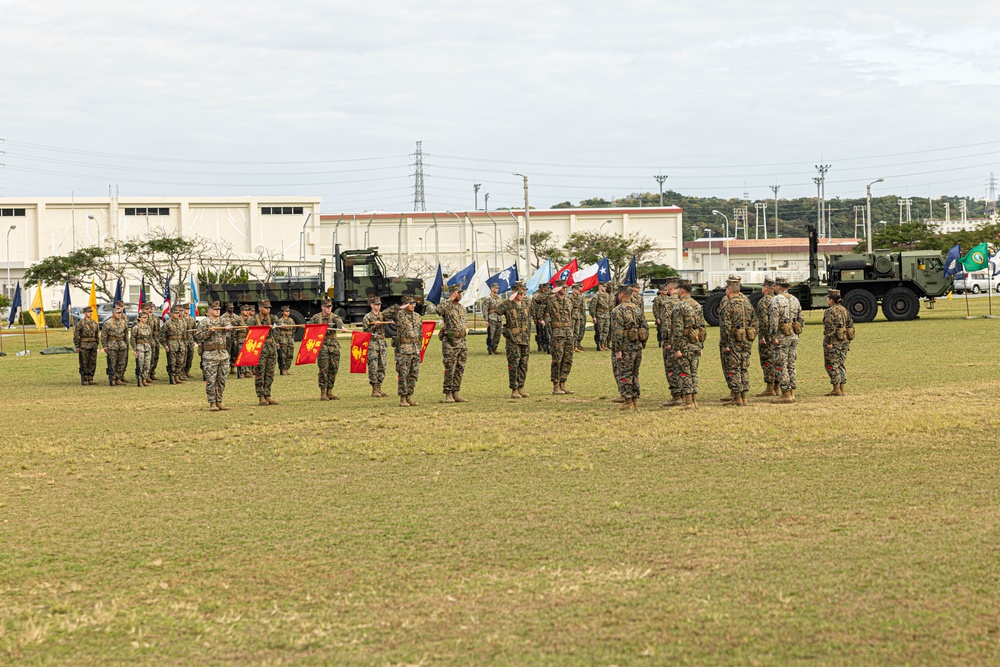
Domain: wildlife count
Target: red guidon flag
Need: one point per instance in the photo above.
(360, 340)
(427, 329)
(250, 352)
(312, 341)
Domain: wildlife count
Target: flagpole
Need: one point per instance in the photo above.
(968, 315)
(24, 336)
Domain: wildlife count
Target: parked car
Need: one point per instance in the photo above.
(974, 282)
(104, 311)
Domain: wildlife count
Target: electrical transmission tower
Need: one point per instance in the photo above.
(774, 189)
(740, 215)
(824, 222)
(419, 199)
(991, 197)
(859, 208)
(760, 207)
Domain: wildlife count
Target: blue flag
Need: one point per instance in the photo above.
(15, 305)
(543, 274)
(194, 297)
(632, 275)
(952, 263)
(463, 277)
(505, 279)
(118, 292)
(66, 306)
(434, 295)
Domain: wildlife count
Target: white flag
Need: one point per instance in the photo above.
(478, 288)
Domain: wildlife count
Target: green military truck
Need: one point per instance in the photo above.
(357, 275)
(896, 280)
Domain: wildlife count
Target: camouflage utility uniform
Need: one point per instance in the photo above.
(579, 317)
(240, 337)
(764, 339)
(600, 311)
(666, 343)
(172, 338)
(542, 331)
(190, 345)
(86, 336)
(114, 339)
(517, 333)
(836, 322)
(688, 321)
(558, 316)
(738, 316)
(785, 310)
(376, 348)
(328, 360)
(214, 356)
(286, 339)
(142, 343)
(154, 344)
(493, 322)
(264, 371)
(660, 303)
(627, 321)
(409, 332)
(454, 346)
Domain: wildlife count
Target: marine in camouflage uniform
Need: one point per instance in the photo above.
(328, 360)
(114, 340)
(493, 319)
(637, 299)
(763, 338)
(154, 343)
(736, 323)
(559, 318)
(212, 333)
(600, 313)
(232, 319)
(264, 371)
(785, 313)
(837, 323)
(454, 345)
(189, 341)
(659, 303)
(286, 339)
(687, 339)
(543, 333)
(579, 315)
(86, 337)
(666, 327)
(376, 347)
(240, 337)
(517, 334)
(629, 332)
(173, 340)
(409, 333)
(142, 343)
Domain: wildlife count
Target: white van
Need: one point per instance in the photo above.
(977, 282)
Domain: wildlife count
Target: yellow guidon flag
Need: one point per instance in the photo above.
(37, 311)
(93, 301)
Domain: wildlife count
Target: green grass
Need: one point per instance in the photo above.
(138, 528)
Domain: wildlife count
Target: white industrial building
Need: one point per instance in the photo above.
(712, 260)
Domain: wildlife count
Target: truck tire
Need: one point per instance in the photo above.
(861, 304)
(299, 319)
(899, 304)
(711, 308)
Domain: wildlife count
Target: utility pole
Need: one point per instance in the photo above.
(419, 200)
(963, 208)
(660, 178)
(527, 226)
(759, 208)
(908, 202)
(868, 208)
(774, 189)
(859, 208)
(825, 223)
(486, 201)
(819, 207)
(991, 197)
(475, 187)
(741, 214)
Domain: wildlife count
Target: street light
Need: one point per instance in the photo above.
(727, 236)
(527, 222)
(98, 225)
(437, 240)
(12, 228)
(708, 276)
(868, 213)
(494, 237)
(527, 267)
(601, 228)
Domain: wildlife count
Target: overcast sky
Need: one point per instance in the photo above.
(587, 98)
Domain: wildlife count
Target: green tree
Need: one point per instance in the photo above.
(588, 247)
(102, 265)
(650, 270)
(543, 247)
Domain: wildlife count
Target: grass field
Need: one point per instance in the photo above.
(138, 528)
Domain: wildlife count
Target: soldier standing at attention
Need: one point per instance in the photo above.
(688, 340)
(517, 333)
(558, 315)
(667, 337)
(114, 340)
(172, 339)
(838, 332)
(786, 324)
(493, 319)
(231, 319)
(600, 312)
(264, 372)
(637, 298)
(211, 333)
(376, 346)
(191, 346)
(763, 338)
(287, 341)
(659, 303)
(454, 346)
(154, 342)
(629, 333)
(736, 333)
(142, 339)
(579, 316)
(85, 340)
(723, 350)
(410, 338)
(328, 361)
(240, 336)
(538, 301)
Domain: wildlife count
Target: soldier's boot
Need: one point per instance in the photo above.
(635, 403)
(729, 399)
(743, 398)
(688, 402)
(152, 376)
(767, 392)
(676, 400)
(523, 393)
(221, 406)
(270, 401)
(382, 393)
(375, 391)
(409, 399)
(172, 381)
(557, 389)
(322, 395)
(232, 369)
(281, 372)
(618, 400)
(448, 397)
(213, 407)
(458, 399)
(626, 404)
(402, 402)
(785, 398)
(833, 391)
(562, 385)
(694, 399)
(840, 390)
(330, 396)
(514, 393)
(261, 400)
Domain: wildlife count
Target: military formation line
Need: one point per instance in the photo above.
(556, 316)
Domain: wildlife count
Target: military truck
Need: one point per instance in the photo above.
(896, 280)
(357, 275)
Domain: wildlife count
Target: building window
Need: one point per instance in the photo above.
(281, 210)
(12, 212)
(147, 211)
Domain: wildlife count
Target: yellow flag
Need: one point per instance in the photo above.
(93, 301)
(37, 312)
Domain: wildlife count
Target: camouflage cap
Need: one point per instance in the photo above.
(625, 289)
(230, 305)
(374, 301)
(520, 288)
(407, 298)
(88, 309)
(214, 305)
(768, 281)
(493, 284)
(148, 305)
(454, 288)
(175, 309)
(781, 280)
(326, 303)
(833, 294)
(684, 285)
(119, 309)
(247, 306)
(119, 304)
(286, 309)
(663, 287)
(545, 285)
(264, 303)
(560, 283)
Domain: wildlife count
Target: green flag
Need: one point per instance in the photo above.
(976, 259)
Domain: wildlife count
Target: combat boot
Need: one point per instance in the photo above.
(261, 400)
(375, 392)
(676, 400)
(384, 395)
(458, 399)
(212, 407)
(556, 389)
(729, 399)
(694, 399)
(221, 406)
(402, 402)
(322, 395)
(833, 391)
(448, 398)
(521, 392)
(626, 404)
(270, 401)
(785, 398)
(688, 402)
(409, 399)
(743, 398)
(562, 385)
(618, 400)
(767, 392)
(330, 396)
(840, 390)
(514, 393)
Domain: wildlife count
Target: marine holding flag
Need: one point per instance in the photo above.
(408, 344)
(268, 353)
(328, 362)
(360, 344)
